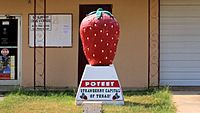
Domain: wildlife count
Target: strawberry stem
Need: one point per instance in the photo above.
(99, 13)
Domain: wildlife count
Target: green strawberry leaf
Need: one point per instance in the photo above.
(99, 13)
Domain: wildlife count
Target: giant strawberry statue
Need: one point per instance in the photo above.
(99, 34)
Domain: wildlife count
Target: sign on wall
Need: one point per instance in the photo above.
(8, 63)
(58, 30)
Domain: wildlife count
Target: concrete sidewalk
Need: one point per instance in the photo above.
(1, 97)
(187, 101)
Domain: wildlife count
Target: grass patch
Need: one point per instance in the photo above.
(144, 101)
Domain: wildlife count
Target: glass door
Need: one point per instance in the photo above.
(9, 46)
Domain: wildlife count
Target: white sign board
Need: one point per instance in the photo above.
(58, 30)
(100, 90)
(100, 83)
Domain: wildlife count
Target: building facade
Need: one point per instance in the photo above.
(158, 42)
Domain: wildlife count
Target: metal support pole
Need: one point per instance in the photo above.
(34, 43)
(158, 43)
(149, 43)
(44, 44)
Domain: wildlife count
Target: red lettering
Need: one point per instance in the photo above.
(100, 83)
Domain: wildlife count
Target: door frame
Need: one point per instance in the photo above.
(19, 54)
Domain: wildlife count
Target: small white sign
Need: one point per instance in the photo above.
(5, 23)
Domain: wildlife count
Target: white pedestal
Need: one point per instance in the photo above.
(100, 83)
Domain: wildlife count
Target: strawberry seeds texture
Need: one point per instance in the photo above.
(99, 38)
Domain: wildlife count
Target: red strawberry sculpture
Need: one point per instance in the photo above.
(99, 34)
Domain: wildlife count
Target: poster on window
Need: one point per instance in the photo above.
(8, 64)
(58, 30)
